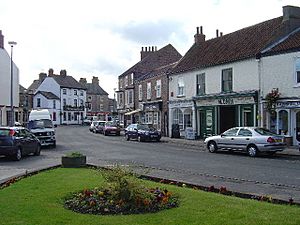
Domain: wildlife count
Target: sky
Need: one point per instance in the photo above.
(104, 38)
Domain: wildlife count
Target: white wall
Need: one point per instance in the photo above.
(279, 71)
(5, 80)
(245, 77)
(50, 85)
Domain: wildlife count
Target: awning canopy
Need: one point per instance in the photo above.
(132, 112)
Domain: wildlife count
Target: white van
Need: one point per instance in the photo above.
(40, 124)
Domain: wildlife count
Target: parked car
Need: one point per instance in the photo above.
(15, 142)
(253, 140)
(97, 126)
(111, 128)
(142, 132)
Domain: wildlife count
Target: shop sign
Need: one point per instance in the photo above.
(288, 104)
(226, 101)
(186, 104)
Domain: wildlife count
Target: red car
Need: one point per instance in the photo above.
(111, 128)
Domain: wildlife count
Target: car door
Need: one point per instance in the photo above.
(23, 141)
(243, 138)
(31, 141)
(227, 139)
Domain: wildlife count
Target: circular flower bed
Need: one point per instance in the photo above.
(122, 193)
(104, 202)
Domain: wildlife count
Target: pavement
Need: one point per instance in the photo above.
(289, 151)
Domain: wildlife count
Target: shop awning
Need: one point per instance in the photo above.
(132, 112)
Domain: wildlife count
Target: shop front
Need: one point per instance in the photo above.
(217, 113)
(181, 117)
(285, 119)
(152, 114)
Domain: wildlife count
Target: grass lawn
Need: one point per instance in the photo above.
(37, 200)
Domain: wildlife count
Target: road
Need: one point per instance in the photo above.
(277, 176)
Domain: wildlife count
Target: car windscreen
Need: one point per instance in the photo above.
(110, 124)
(40, 124)
(263, 131)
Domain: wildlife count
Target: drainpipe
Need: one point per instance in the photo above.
(260, 109)
(195, 119)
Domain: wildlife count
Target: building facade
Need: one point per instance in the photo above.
(97, 101)
(62, 95)
(5, 87)
(128, 105)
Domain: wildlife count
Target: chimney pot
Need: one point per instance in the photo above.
(201, 30)
(197, 30)
(217, 33)
(142, 49)
(221, 34)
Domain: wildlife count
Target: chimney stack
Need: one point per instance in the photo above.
(50, 72)
(95, 80)
(83, 81)
(1, 40)
(42, 77)
(148, 51)
(63, 73)
(199, 36)
(291, 17)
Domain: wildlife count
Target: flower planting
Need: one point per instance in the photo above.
(123, 194)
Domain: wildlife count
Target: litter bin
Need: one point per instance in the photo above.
(175, 131)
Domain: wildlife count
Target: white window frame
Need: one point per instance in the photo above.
(131, 78)
(200, 86)
(140, 92)
(149, 90)
(126, 81)
(180, 87)
(158, 89)
(64, 91)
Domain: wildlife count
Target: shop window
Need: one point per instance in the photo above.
(188, 115)
(178, 118)
(227, 80)
(54, 116)
(283, 122)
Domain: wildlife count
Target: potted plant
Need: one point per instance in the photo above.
(73, 160)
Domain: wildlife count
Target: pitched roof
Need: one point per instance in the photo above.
(287, 44)
(163, 56)
(48, 95)
(35, 84)
(239, 45)
(21, 89)
(67, 81)
(95, 89)
(163, 70)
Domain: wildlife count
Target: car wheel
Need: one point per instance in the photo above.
(127, 137)
(37, 151)
(252, 151)
(140, 139)
(18, 155)
(212, 147)
(118, 134)
(105, 133)
(54, 144)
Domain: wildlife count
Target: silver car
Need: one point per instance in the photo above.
(253, 140)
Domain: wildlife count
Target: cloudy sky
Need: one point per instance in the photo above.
(104, 38)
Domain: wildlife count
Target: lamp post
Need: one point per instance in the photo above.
(12, 120)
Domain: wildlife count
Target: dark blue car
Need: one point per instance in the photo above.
(142, 132)
(16, 142)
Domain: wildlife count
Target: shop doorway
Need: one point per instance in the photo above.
(227, 117)
(298, 126)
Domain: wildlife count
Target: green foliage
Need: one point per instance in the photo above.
(74, 154)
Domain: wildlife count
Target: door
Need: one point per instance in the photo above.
(243, 139)
(298, 126)
(228, 138)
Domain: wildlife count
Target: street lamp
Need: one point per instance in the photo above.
(11, 43)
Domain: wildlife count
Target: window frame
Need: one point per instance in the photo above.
(158, 89)
(228, 81)
(180, 87)
(200, 84)
(149, 90)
